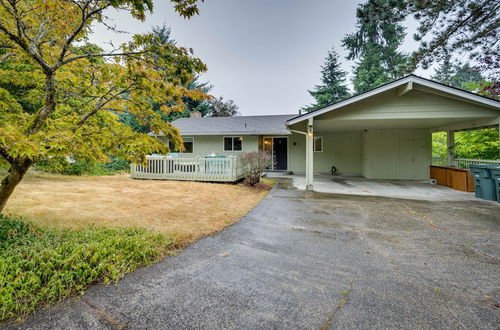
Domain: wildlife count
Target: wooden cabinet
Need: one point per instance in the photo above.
(455, 178)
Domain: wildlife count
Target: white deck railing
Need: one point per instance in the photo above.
(188, 169)
(462, 162)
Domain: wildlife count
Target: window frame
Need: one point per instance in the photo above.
(314, 143)
(232, 137)
(183, 152)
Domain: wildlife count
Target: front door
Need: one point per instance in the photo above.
(278, 147)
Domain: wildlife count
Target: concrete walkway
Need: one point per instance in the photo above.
(309, 261)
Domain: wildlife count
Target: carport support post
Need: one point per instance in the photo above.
(309, 155)
(450, 147)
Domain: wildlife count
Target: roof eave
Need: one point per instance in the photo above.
(284, 132)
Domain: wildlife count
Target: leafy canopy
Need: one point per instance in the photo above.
(43, 40)
(474, 144)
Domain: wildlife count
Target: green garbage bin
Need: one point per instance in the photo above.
(495, 174)
(485, 187)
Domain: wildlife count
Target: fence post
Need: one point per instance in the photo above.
(450, 147)
(233, 169)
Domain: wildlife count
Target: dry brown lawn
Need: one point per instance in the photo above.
(187, 210)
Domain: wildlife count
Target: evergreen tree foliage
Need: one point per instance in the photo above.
(333, 88)
(375, 45)
(444, 73)
(468, 27)
(220, 108)
(458, 75)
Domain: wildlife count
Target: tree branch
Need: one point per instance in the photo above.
(71, 38)
(71, 59)
(6, 156)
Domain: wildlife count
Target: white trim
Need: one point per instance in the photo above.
(232, 144)
(314, 143)
(272, 148)
(403, 81)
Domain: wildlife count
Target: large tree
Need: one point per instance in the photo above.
(458, 75)
(69, 96)
(468, 27)
(218, 107)
(375, 45)
(490, 67)
(333, 87)
(164, 37)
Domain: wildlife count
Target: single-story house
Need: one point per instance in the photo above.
(384, 133)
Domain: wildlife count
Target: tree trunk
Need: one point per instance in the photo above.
(49, 104)
(10, 182)
(18, 167)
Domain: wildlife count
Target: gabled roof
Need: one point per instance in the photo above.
(410, 79)
(241, 125)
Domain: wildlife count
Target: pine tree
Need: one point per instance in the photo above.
(444, 73)
(375, 45)
(458, 75)
(333, 88)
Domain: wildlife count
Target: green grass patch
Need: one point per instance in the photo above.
(40, 265)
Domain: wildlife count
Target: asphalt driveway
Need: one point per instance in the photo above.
(301, 260)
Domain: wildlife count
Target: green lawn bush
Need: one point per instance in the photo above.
(43, 265)
(82, 167)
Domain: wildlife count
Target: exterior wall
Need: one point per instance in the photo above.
(382, 154)
(342, 150)
(207, 144)
(390, 154)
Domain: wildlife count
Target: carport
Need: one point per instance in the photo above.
(386, 133)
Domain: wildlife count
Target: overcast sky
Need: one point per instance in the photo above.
(263, 54)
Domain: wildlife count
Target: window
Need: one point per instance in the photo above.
(233, 143)
(318, 144)
(188, 146)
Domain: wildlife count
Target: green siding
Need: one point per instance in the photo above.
(387, 111)
(342, 150)
(384, 154)
(207, 144)
(397, 154)
(415, 104)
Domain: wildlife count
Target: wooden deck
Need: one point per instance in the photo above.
(189, 169)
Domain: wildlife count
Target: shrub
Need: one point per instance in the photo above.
(254, 164)
(82, 167)
(117, 164)
(41, 265)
